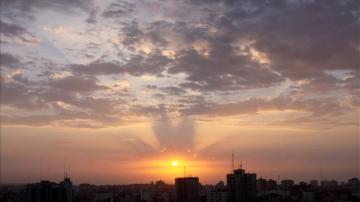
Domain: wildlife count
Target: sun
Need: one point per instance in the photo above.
(175, 163)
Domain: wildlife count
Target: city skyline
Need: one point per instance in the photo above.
(123, 92)
(241, 186)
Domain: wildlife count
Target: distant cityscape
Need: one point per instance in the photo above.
(240, 186)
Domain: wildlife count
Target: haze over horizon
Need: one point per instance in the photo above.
(118, 90)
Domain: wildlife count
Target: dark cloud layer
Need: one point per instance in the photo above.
(11, 30)
(234, 47)
(29, 6)
(118, 10)
(16, 33)
(319, 107)
(137, 65)
(8, 60)
(76, 83)
(222, 70)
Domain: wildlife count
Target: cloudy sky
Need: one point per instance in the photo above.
(115, 90)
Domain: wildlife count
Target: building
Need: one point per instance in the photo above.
(353, 185)
(314, 183)
(218, 195)
(241, 186)
(308, 196)
(103, 197)
(46, 191)
(287, 184)
(261, 185)
(66, 190)
(271, 184)
(187, 189)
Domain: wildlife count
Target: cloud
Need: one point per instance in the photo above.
(118, 10)
(139, 65)
(11, 30)
(315, 36)
(210, 61)
(65, 100)
(316, 106)
(200, 62)
(29, 6)
(92, 19)
(172, 90)
(352, 82)
(13, 33)
(76, 83)
(136, 65)
(222, 70)
(28, 10)
(8, 60)
(12, 92)
(97, 68)
(64, 119)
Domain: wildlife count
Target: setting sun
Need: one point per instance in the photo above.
(175, 163)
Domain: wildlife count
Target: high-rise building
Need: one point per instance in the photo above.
(187, 189)
(43, 191)
(46, 191)
(66, 190)
(241, 186)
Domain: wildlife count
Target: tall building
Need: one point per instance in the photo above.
(43, 191)
(241, 186)
(66, 190)
(46, 191)
(187, 189)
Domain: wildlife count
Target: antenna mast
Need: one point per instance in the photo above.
(40, 171)
(321, 174)
(232, 162)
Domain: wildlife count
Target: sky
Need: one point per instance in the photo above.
(115, 91)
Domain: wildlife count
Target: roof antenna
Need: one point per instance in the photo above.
(40, 170)
(232, 161)
(321, 174)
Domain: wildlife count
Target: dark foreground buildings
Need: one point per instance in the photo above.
(46, 191)
(187, 189)
(241, 186)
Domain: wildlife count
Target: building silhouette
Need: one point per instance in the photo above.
(314, 183)
(187, 189)
(241, 186)
(66, 190)
(287, 183)
(46, 191)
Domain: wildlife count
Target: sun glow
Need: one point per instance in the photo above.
(175, 163)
